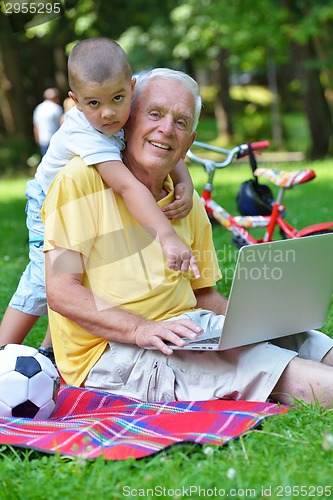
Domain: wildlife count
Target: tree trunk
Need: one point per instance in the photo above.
(223, 103)
(61, 78)
(14, 107)
(315, 104)
(275, 111)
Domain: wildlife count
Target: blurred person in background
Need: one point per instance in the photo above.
(46, 118)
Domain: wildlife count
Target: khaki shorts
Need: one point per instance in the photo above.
(248, 373)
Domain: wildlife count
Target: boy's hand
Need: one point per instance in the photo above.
(182, 204)
(178, 256)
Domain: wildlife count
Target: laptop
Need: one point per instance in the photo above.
(278, 289)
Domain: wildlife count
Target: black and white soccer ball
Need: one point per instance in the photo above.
(29, 383)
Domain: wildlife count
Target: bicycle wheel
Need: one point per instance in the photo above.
(323, 231)
(212, 220)
(239, 242)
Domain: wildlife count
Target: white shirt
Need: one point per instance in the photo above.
(46, 118)
(76, 137)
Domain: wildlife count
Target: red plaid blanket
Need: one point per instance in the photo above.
(90, 423)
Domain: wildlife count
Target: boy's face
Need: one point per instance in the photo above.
(105, 105)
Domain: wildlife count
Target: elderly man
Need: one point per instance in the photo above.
(111, 295)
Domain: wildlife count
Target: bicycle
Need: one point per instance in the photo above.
(266, 212)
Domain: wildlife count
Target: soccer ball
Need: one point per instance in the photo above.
(28, 383)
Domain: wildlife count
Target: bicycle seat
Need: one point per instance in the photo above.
(285, 178)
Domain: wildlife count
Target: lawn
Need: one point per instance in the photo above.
(291, 455)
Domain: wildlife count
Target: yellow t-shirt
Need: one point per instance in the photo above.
(125, 264)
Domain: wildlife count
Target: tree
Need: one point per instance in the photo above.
(299, 34)
(36, 58)
(12, 70)
(29, 65)
(216, 37)
(305, 27)
(227, 37)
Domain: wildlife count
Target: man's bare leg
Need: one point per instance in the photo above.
(306, 380)
(328, 359)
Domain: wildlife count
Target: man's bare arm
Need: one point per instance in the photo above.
(68, 297)
(211, 299)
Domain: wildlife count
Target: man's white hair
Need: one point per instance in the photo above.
(143, 78)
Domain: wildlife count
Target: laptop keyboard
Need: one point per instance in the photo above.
(214, 340)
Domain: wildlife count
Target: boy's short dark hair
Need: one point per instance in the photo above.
(96, 60)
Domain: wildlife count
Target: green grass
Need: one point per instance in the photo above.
(291, 450)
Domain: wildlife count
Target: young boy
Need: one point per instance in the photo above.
(101, 84)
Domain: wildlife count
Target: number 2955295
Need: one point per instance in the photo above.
(10, 8)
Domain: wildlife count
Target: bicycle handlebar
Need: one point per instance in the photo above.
(238, 151)
(260, 145)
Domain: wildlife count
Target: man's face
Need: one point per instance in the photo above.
(159, 131)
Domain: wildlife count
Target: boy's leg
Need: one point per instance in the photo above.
(47, 341)
(15, 326)
(28, 302)
(46, 347)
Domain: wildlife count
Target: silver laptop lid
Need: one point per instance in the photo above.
(279, 288)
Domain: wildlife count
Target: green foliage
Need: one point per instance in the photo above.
(206, 25)
(252, 120)
(15, 154)
(183, 34)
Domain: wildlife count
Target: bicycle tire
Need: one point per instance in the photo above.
(239, 242)
(212, 220)
(283, 235)
(315, 233)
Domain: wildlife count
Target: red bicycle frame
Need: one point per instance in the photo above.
(239, 225)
